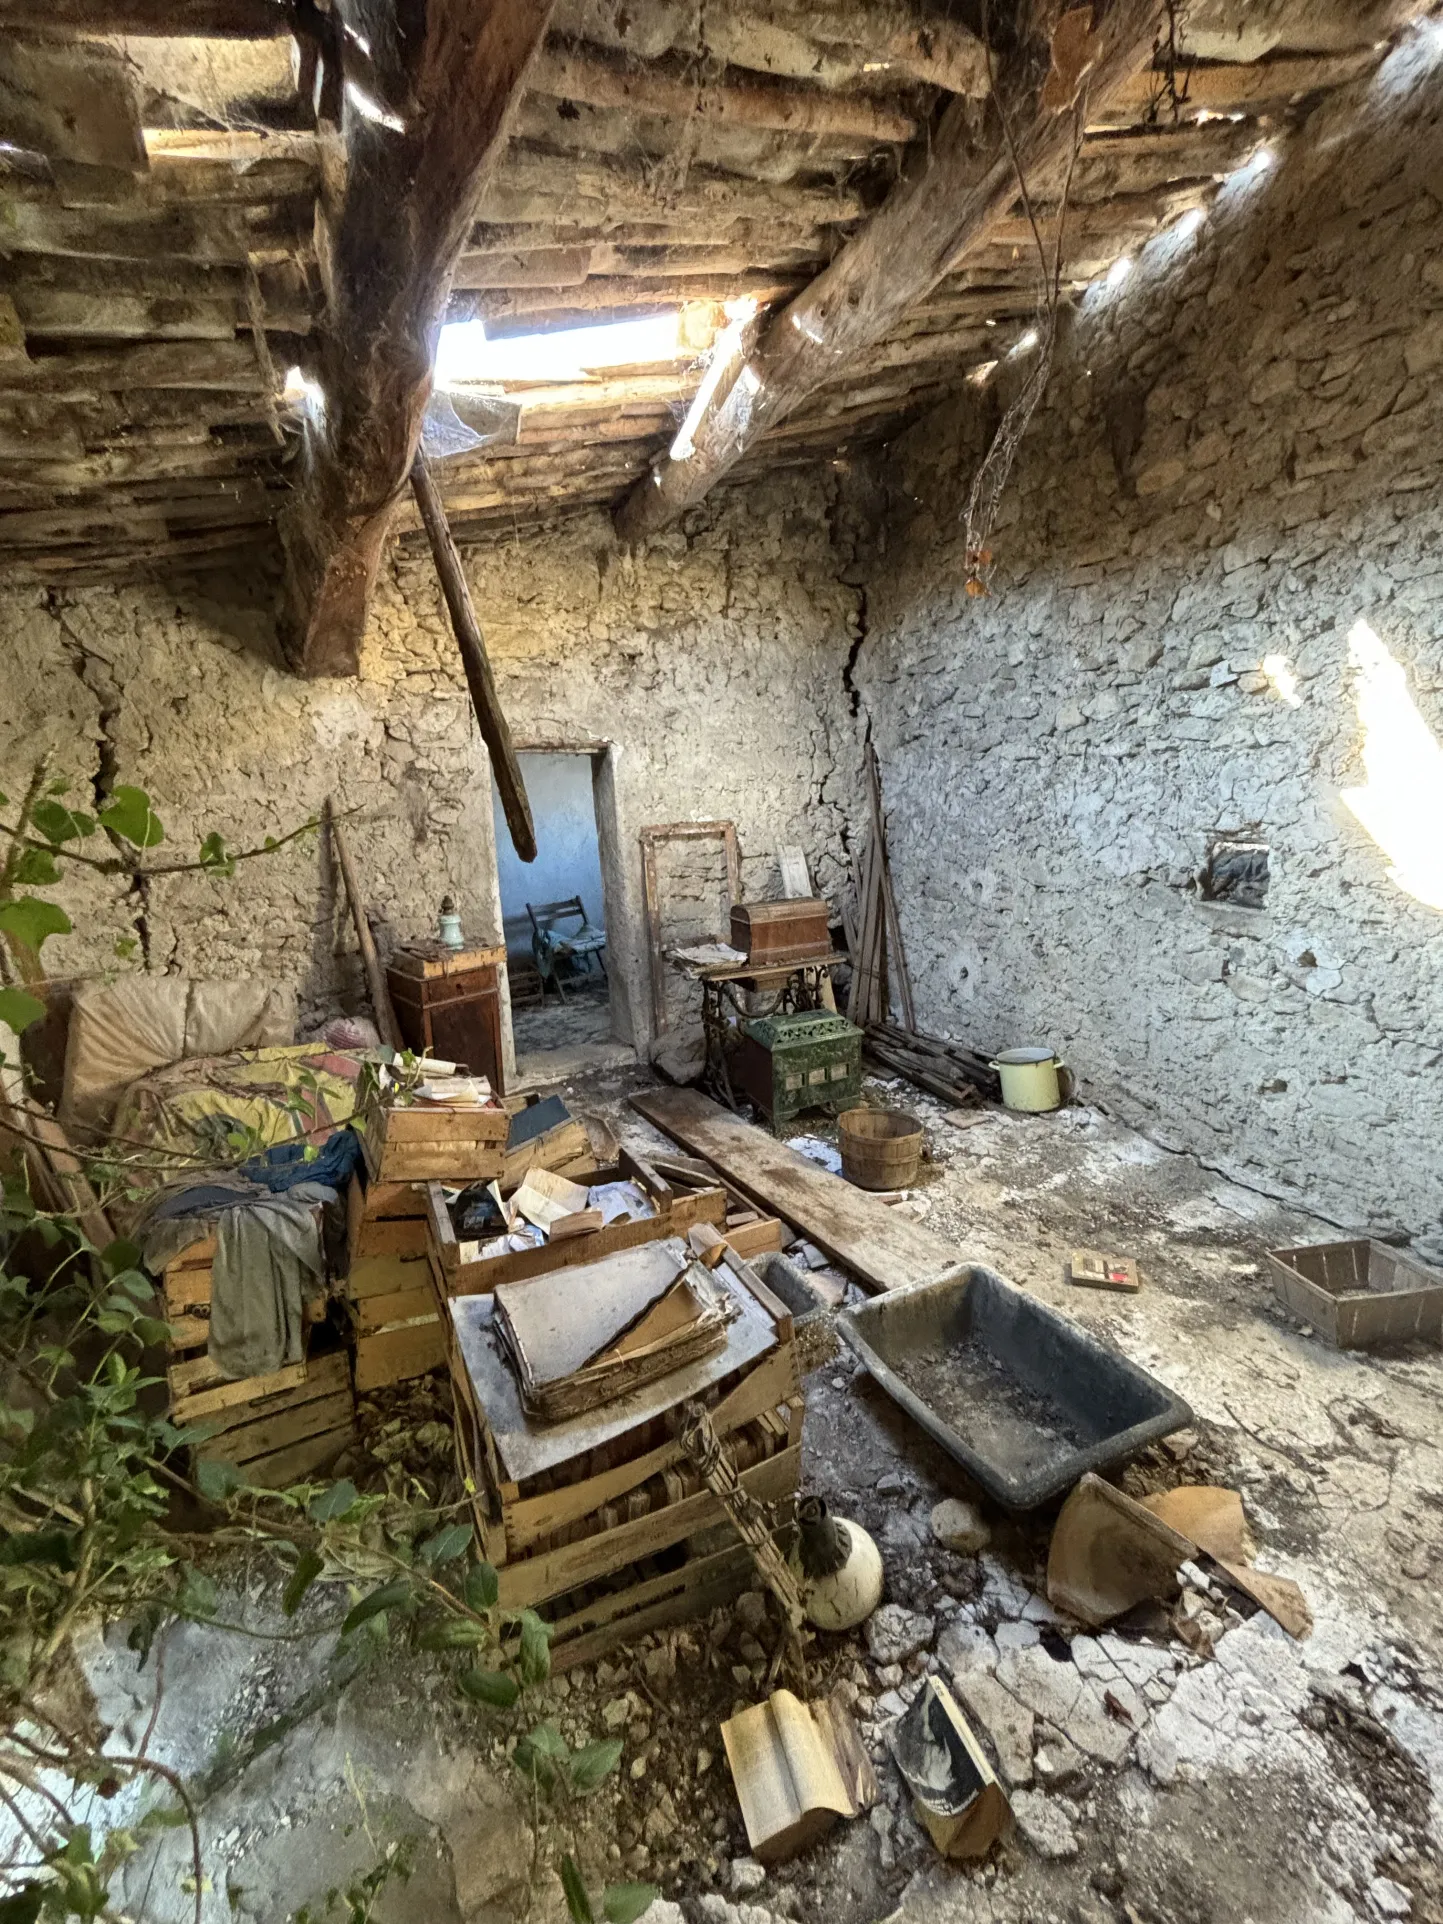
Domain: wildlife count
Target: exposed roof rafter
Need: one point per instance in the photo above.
(917, 237)
(428, 116)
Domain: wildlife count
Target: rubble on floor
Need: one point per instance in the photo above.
(1162, 1769)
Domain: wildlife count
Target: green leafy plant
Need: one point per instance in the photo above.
(620, 1903)
(89, 1470)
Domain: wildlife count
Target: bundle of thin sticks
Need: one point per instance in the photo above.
(946, 1070)
(876, 938)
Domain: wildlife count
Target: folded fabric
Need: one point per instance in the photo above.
(284, 1164)
(266, 1246)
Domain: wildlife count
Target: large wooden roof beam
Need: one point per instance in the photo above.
(601, 80)
(203, 19)
(431, 90)
(968, 182)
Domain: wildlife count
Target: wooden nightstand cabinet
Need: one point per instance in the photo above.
(449, 1002)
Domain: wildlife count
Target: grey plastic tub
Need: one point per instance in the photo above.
(1029, 1401)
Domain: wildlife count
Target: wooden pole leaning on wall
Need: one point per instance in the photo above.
(375, 979)
(495, 730)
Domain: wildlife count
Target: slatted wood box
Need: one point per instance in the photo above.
(279, 1428)
(675, 1214)
(389, 1287)
(623, 1535)
(419, 1142)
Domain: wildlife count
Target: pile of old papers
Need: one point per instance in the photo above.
(549, 1208)
(583, 1336)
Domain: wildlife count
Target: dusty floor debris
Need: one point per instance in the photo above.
(1289, 1782)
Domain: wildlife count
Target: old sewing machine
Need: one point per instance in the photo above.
(794, 1052)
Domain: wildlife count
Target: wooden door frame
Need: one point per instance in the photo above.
(650, 839)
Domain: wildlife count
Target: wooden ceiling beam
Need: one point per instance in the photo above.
(442, 86)
(227, 366)
(968, 181)
(674, 92)
(532, 186)
(201, 19)
(1240, 86)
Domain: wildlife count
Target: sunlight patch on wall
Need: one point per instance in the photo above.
(1401, 803)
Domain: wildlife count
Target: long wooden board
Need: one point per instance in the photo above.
(885, 1250)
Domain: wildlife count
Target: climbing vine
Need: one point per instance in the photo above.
(98, 1504)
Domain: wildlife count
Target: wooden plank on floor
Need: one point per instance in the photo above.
(883, 1249)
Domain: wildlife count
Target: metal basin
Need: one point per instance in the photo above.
(1023, 1398)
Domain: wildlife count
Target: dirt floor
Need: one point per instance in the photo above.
(1237, 1775)
(585, 1016)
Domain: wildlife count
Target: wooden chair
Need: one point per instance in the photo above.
(551, 945)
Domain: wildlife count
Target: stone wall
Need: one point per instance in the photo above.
(1238, 460)
(709, 672)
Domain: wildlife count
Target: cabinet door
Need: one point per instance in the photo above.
(467, 1029)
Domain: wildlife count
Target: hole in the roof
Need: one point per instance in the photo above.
(465, 355)
(302, 393)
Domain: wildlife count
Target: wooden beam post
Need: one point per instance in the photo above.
(490, 716)
(375, 979)
(430, 94)
(917, 236)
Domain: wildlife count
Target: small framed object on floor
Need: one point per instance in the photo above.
(1090, 1269)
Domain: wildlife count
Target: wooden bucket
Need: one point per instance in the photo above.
(881, 1148)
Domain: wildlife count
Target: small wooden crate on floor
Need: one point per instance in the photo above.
(279, 1427)
(600, 1522)
(451, 1144)
(675, 1215)
(388, 1284)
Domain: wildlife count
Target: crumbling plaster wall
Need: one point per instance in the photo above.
(709, 670)
(1239, 457)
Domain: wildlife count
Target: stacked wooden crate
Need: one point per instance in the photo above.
(450, 1142)
(388, 1284)
(278, 1428)
(397, 1319)
(600, 1522)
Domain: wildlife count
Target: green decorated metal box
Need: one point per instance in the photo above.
(788, 1063)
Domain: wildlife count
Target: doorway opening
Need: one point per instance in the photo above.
(554, 917)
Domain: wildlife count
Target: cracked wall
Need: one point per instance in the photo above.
(1238, 459)
(709, 670)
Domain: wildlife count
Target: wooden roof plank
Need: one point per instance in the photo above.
(968, 182)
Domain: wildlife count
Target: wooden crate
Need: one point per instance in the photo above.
(389, 1287)
(661, 1506)
(198, 1389)
(588, 1623)
(675, 1214)
(286, 1435)
(408, 1347)
(418, 1144)
(385, 1219)
(1360, 1294)
(623, 1537)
